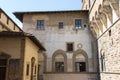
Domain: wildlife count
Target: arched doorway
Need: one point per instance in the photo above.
(80, 61)
(59, 61)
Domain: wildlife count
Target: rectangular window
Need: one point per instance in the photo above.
(80, 66)
(60, 25)
(3, 62)
(27, 70)
(35, 69)
(69, 47)
(78, 24)
(7, 21)
(0, 14)
(109, 32)
(40, 25)
(14, 26)
(59, 66)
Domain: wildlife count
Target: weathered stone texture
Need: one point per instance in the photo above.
(110, 46)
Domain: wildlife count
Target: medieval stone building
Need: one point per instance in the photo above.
(80, 44)
(70, 48)
(104, 20)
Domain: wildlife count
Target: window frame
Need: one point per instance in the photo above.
(78, 23)
(59, 69)
(67, 49)
(40, 25)
(60, 25)
(80, 68)
(27, 69)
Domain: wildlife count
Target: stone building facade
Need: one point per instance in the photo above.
(104, 17)
(70, 48)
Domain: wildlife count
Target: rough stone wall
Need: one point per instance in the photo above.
(109, 44)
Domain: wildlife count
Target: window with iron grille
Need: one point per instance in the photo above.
(60, 25)
(40, 25)
(69, 47)
(78, 24)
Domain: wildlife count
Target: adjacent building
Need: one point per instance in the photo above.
(20, 52)
(70, 48)
(19, 56)
(104, 17)
(7, 24)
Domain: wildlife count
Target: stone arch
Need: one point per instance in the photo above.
(115, 5)
(106, 8)
(97, 17)
(94, 32)
(103, 16)
(84, 54)
(42, 63)
(96, 26)
(64, 59)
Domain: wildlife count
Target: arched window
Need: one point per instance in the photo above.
(32, 67)
(80, 64)
(103, 67)
(59, 61)
(80, 61)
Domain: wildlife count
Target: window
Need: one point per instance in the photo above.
(78, 24)
(3, 62)
(7, 21)
(109, 32)
(35, 69)
(40, 24)
(60, 25)
(69, 47)
(103, 62)
(0, 14)
(80, 67)
(59, 66)
(27, 70)
(14, 26)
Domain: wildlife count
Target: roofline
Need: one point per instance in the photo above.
(10, 18)
(22, 34)
(19, 15)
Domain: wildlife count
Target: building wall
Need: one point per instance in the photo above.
(72, 76)
(11, 46)
(31, 51)
(55, 39)
(104, 21)
(110, 47)
(6, 23)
